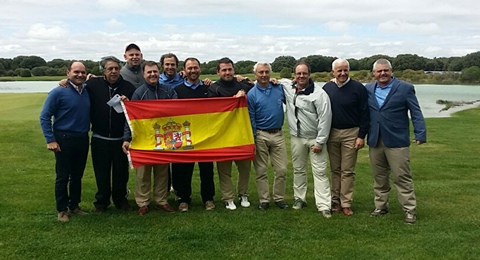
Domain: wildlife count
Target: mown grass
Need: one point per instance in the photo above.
(447, 179)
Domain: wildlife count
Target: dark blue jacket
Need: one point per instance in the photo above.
(390, 121)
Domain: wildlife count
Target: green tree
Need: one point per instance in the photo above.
(58, 63)
(283, 62)
(24, 72)
(286, 73)
(409, 61)
(3, 71)
(39, 71)
(320, 63)
(470, 75)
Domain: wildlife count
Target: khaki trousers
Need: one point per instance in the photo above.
(301, 152)
(384, 160)
(144, 184)
(225, 178)
(270, 145)
(343, 157)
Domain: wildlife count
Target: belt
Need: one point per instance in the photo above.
(271, 131)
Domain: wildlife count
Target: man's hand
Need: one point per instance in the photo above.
(124, 98)
(182, 74)
(90, 75)
(126, 147)
(316, 149)
(54, 147)
(207, 81)
(359, 143)
(274, 81)
(63, 83)
(240, 93)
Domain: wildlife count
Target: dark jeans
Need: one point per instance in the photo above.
(182, 177)
(110, 164)
(69, 167)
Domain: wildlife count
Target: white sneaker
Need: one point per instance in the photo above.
(244, 201)
(230, 205)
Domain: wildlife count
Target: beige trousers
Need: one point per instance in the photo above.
(384, 160)
(144, 184)
(225, 178)
(270, 145)
(343, 157)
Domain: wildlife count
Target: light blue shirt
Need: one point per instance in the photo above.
(265, 107)
(381, 93)
(191, 85)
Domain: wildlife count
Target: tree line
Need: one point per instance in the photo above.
(411, 67)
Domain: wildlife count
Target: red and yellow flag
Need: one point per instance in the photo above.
(189, 130)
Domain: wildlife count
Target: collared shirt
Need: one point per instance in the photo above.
(171, 82)
(381, 93)
(193, 86)
(79, 89)
(344, 83)
(265, 106)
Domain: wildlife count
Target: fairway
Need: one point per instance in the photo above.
(446, 172)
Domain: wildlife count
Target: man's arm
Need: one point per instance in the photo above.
(419, 128)
(324, 115)
(49, 109)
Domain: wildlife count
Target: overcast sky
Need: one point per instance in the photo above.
(242, 30)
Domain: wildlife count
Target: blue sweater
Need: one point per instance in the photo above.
(265, 106)
(349, 106)
(171, 82)
(70, 111)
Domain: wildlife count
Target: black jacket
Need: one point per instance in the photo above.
(104, 119)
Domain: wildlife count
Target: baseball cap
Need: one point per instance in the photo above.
(132, 46)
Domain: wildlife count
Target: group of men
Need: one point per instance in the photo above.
(335, 118)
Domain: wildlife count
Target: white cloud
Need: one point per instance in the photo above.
(248, 29)
(397, 26)
(44, 32)
(114, 23)
(338, 26)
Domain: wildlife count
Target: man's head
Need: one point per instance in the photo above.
(76, 72)
(169, 64)
(110, 67)
(151, 73)
(302, 74)
(192, 70)
(262, 73)
(340, 70)
(225, 69)
(382, 71)
(133, 55)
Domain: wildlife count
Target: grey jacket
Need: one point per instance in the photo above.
(308, 112)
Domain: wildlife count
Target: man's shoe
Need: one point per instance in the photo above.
(336, 207)
(410, 217)
(62, 216)
(209, 205)
(143, 210)
(100, 209)
(281, 204)
(165, 207)
(326, 213)
(379, 212)
(347, 211)
(244, 201)
(230, 205)
(263, 206)
(298, 204)
(78, 212)
(125, 207)
(183, 207)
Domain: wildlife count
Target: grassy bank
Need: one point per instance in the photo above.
(446, 172)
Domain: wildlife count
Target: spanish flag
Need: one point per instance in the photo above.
(189, 130)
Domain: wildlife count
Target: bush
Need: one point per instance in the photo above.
(285, 73)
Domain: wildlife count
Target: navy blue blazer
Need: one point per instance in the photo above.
(390, 121)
